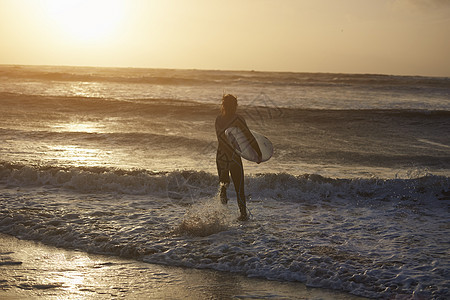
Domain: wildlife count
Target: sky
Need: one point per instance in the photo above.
(401, 37)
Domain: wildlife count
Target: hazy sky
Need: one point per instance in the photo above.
(407, 37)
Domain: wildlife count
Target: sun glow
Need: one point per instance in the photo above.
(86, 20)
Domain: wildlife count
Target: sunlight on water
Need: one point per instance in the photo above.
(68, 274)
(76, 155)
(88, 127)
(86, 89)
(75, 273)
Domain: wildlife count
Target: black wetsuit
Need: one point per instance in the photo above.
(228, 161)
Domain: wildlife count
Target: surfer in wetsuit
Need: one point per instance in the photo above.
(228, 161)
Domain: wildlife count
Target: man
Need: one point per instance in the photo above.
(228, 161)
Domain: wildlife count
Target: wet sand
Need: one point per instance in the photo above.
(32, 270)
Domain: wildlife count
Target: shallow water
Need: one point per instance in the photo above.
(33, 270)
(324, 232)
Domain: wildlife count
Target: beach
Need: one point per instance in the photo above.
(32, 270)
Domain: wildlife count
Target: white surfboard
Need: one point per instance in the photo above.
(243, 147)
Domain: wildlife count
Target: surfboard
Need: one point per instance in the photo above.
(243, 147)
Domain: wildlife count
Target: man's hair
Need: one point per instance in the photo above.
(229, 105)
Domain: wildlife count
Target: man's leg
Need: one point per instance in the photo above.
(223, 168)
(237, 174)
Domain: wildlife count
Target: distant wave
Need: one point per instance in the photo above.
(155, 140)
(57, 75)
(190, 107)
(199, 77)
(183, 184)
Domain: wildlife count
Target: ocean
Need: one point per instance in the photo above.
(121, 162)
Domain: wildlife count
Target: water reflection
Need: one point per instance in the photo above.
(86, 89)
(86, 126)
(76, 155)
(78, 151)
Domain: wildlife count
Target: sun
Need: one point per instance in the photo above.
(86, 20)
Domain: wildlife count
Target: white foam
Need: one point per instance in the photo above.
(344, 239)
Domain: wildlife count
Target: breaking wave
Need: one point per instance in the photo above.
(178, 184)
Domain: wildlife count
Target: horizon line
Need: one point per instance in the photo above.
(219, 70)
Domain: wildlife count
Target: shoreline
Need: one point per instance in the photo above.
(30, 269)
